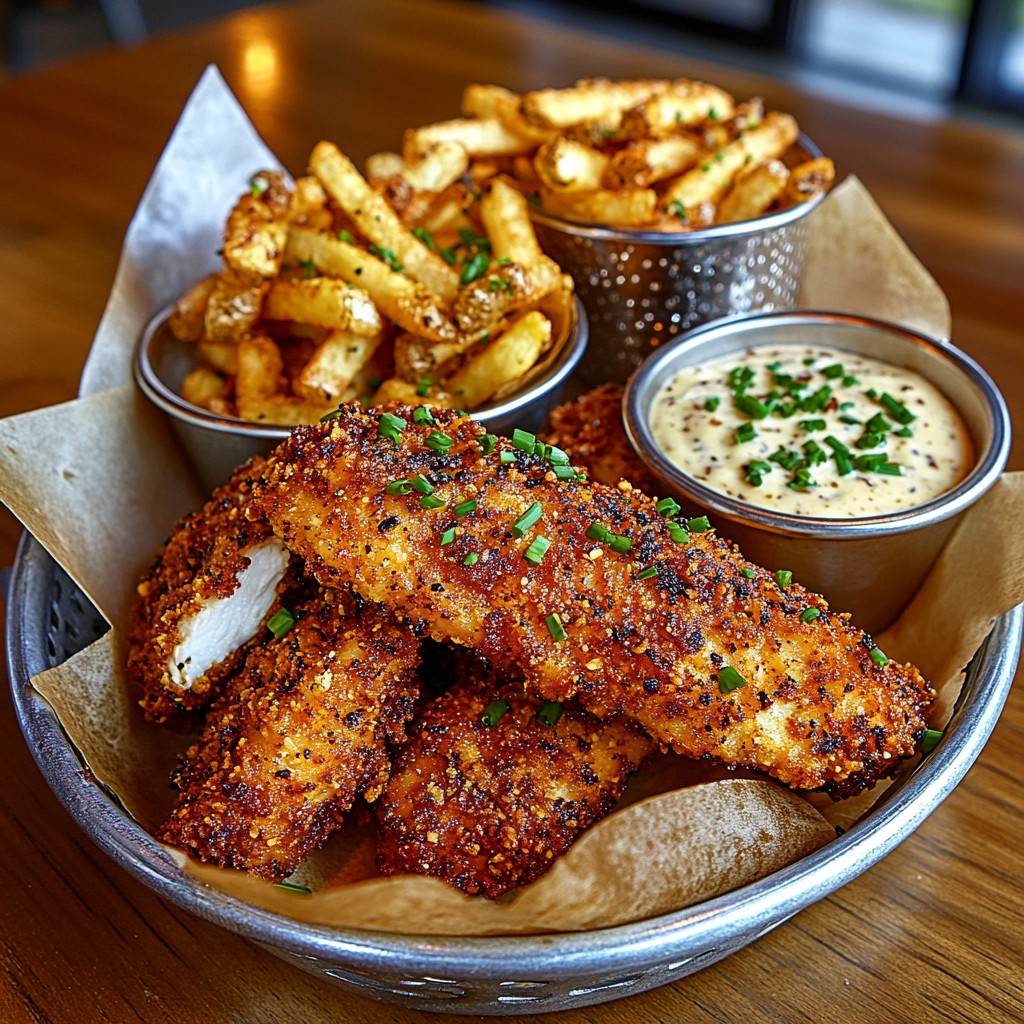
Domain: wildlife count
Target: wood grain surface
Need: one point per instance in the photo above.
(934, 932)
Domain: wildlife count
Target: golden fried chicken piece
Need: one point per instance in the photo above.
(590, 429)
(303, 732)
(210, 587)
(494, 785)
(629, 611)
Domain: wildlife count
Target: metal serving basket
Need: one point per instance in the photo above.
(48, 619)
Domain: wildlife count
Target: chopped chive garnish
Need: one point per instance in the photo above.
(802, 481)
(487, 443)
(425, 237)
(438, 441)
(817, 401)
(813, 453)
(390, 426)
(755, 471)
(422, 416)
(711, 404)
(294, 887)
(878, 656)
(422, 484)
(556, 457)
(471, 559)
(280, 622)
(506, 456)
(257, 185)
(463, 508)
(620, 542)
(835, 370)
(555, 627)
(534, 554)
(745, 432)
(869, 440)
(870, 463)
(749, 573)
(448, 536)
(431, 501)
(897, 410)
(753, 406)
(729, 679)
(849, 380)
(332, 415)
(423, 387)
(809, 614)
(398, 487)
(566, 472)
(475, 268)
(345, 236)
(812, 424)
(495, 712)
(786, 458)
(699, 524)
(930, 740)
(878, 424)
(595, 531)
(904, 432)
(678, 533)
(550, 712)
(740, 377)
(668, 507)
(527, 519)
(647, 574)
(524, 440)
(783, 577)
(889, 469)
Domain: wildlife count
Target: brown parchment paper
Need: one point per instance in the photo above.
(100, 481)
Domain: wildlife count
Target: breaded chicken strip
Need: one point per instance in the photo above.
(494, 785)
(303, 733)
(211, 585)
(590, 590)
(590, 429)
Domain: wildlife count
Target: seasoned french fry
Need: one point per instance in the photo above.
(233, 307)
(309, 204)
(591, 99)
(439, 165)
(684, 103)
(257, 227)
(479, 136)
(381, 166)
(496, 101)
(221, 356)
(379, 222)
(401, 299)
(633, 207)
(565, 164)
(416, 358)
(644, 162)
(188, 315)
(259, 373)
(810, 179)
(324, 302)
(485, 301)
(335, 363)
(394, 389)
(500, 361)
(753, 192)
(204, 387)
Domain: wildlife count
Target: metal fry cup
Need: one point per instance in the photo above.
(871, 565)
(642, 288)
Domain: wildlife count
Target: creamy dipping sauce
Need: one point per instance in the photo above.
(812, 431)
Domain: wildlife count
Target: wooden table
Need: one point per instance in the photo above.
(933, 932)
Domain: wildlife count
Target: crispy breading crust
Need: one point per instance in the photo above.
(200, 560)
(489, 807)
(815, 709)
(590, 429)
(303, 733)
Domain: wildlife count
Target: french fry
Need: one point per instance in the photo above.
(644, 162)
(439, 165)
(205, 388)
(485, 301)
(396, 390)
(479, 136)
(810, 179)
(500, 361)
(221, 356)
(257, 227)
(324, 302)
(309, 204)
(496, 101)
(627, 208)
(565, 164)
(379, 222)
(259, 373)
(401, 299)
(233, 307)
(381, 166)
(416, 358)
(188, 315)
(590, 99)
(753, 192)
(684, 103)
(334, 365)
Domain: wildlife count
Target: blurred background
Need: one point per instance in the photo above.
(927, 56)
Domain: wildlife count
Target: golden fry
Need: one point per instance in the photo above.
(591, 99)
(329, 372)
(754, 191)
(323, 302)
(480, 136)
(257, 227)
(627, 208)
(188, 316)
(565, 164)
(644, 162)
(233, 307)
(810, 179)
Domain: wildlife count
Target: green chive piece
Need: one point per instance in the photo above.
(890, 469)
(878, 657)
(556, 456)
(812, 424)
(425, 237)
(595, 531)
(870, 463)
(448, 536)
(749, 573)
(463, 508)
(755, 472)
(784, 577)
(438, 441)
(257, 185)
(699, 524)
(422, 416)
(398, 487)
(471, 559)
(431, 501)
(786, 458)
(495, 712)
(802, 481)
(729, 679)
(849, 380)
(555, 627)
(390, 426)
(813, 453)
(566, 472)
(741, 377)
(294, 887)
(422, 484)
(506, 456)
(527, 519)
(475, 268)
(678, 533)
(647, 574)
(487, 443)
(809, 614)
(712, 403)
(835, 370)
(744, 432)
(897, 410)
(524, 440)
(620, 542)
(346, 237)
(534, 554)
(817, 401)
(753, 406)
(280, 622)
(550, 712)
(668, 507)
(332, 415)
(904, 432)
(930, 740)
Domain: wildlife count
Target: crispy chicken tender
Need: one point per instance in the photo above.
(303, 732)
(709, 653)
(487, 807)
(590, 429)
(211, 585)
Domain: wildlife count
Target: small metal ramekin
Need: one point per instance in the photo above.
(870, 566)
(216, 445)
(642, 288)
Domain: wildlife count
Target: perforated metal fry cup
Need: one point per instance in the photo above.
(868, 565)
(642, 288)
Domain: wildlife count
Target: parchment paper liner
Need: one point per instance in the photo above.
(99, 481)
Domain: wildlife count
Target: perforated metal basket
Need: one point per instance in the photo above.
(48, 620)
